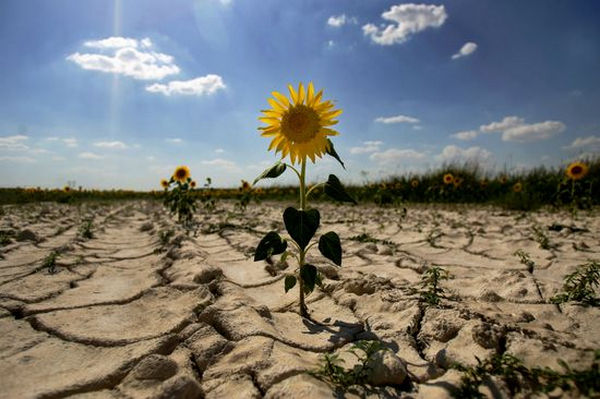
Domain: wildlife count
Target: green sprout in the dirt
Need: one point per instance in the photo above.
(4, 238)
(541, 237)
(581, 285)
(520, 379)
(431, 292)
(164, 237)
(86, 229)
(50, 262)
(300, 128)
(331, 367)
(525, 259)
(179, 197)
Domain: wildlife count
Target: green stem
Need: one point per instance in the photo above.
(303, 309)
(316, 186)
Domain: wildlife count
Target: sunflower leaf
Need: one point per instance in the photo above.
(335, 190)
(330, 247)
(289, 283)
(272, 172)
(271, 244)
(301, 225)
(308, 274)
(331, 151)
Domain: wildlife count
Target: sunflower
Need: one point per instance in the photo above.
(299, 127)
(164, 183)
(457, 181)
(245, 186)
(577, 170)
(503, 179)
(414, 183)
(518, 187)
(181, 174)
(67, 189)
(448, 178)
(193, 183)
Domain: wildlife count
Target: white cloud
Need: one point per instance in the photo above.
(17, 159)
(533, 132)
(174, 141)
(465, 135)
(70, 142)
(408, 19)
(452, 153)
(367, 147)
(467, 49)
(112, 42)
(584, 142)
(146, 42)
(89, 155)
(118, 145)
(14, 143)
(222, 163)
(127, 60)
(58, 158)
(204, 85)
(38, 150)
(506, 123)
(394, 155)
(397, 119)
(338, 21)
(219, 150)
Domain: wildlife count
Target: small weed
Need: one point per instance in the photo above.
(431, 292)
(525, 259)
(580, 286)
(4, 238)
(332, 370)
(50, 262)
(366, 237)
(519, 378)
(86, 229)
(541, 238)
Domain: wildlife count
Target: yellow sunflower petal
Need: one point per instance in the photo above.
(293, 94)
(310, 94)
(281, 98)
(301, 94)
(275, 105)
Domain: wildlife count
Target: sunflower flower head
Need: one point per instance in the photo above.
(299, 126)
(414, 183)
(577, 170)
(164, 183)
(181, 174)
(245, 186)
(448, 178)
(458, 181)
(66, 189)
(193, 183)
(518, 187)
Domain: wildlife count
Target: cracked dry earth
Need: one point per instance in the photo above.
(125, 316)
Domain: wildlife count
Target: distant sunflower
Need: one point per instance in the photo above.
(458, 181)
(414, 183)
(503, 179)
(193, 183)
(577, 170)
(245, 186)
(299, 128)
(181, 174)
(164, 183)
(518, 187)
(448, 178)
(67, 189)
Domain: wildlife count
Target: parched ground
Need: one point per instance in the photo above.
(128, 316)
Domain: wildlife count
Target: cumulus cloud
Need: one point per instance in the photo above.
(397, 119)
(452, 153)
(219, 150)
(17, 159)
(14, 143)
(395, 155)
(118, 145)
(222, 163)
(70, 142)
(174, 140)
(506, 123)
(126, 59)
(89, 155)
(407, 20)
(467, 49)
(367, 147)
(338, 21)
(533, 132)
(204, 85)
(113, 42)
(465, 135)
(584, 142)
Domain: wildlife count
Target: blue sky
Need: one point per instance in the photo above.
(117, 93)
